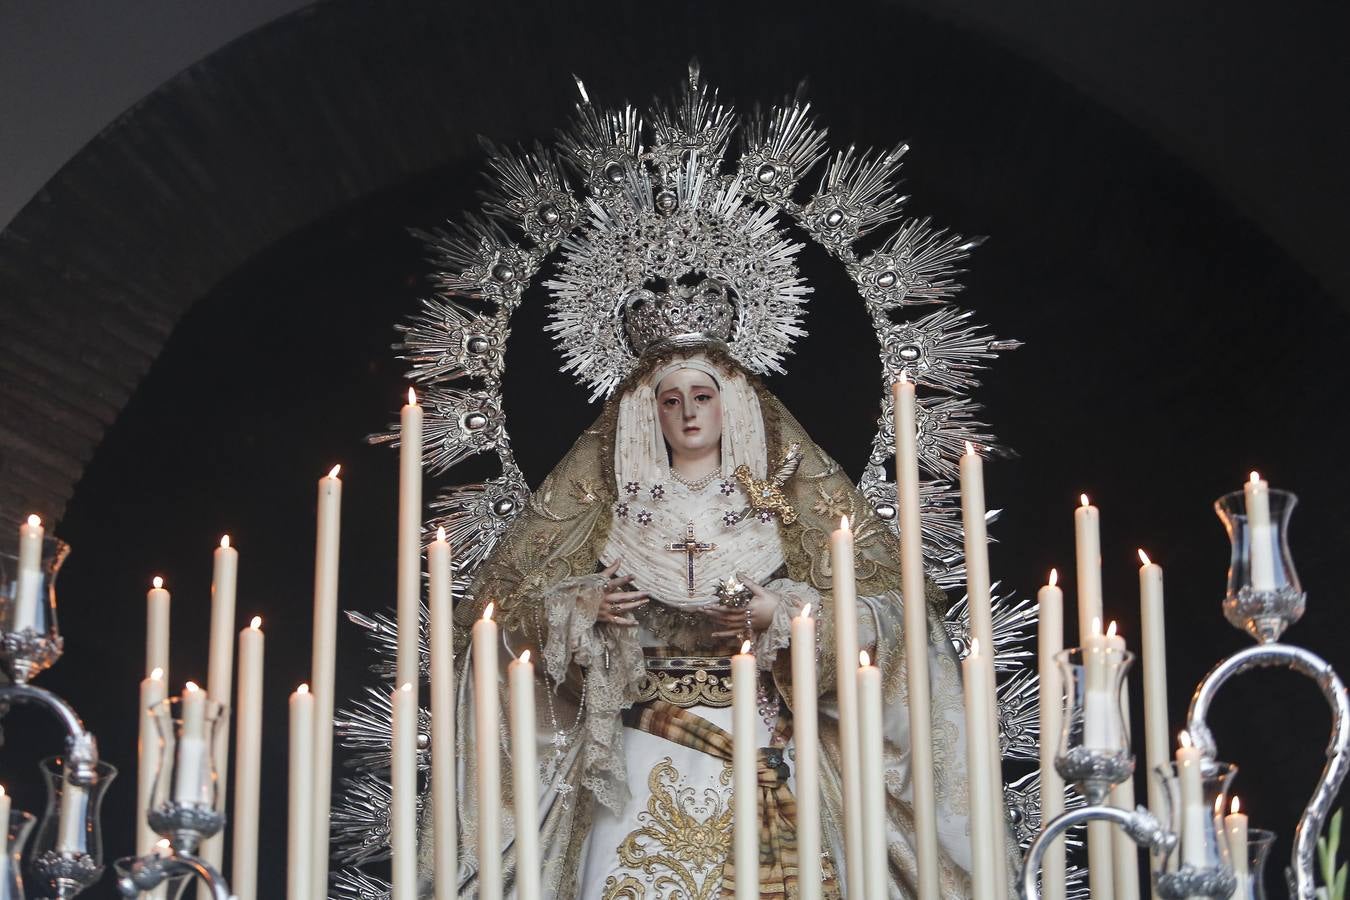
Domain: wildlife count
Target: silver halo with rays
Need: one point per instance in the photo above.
(621, 205)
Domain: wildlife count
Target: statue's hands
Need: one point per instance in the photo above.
(759, 614)
(616, 607)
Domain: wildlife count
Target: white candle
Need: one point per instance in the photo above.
(219, 680)
(299, 814)
(4, 840)
(157, 630)
(28, 598)
(1235, 828)
(147, 756)
(248, 762)
(525, 777)
(1194, 811)
(403, 811)
(875, 867)
(805, 740)
(845, 596)
(1097, 703)
(71, 826)
(1050, 640)
(1088, 556)
(1153, 641)
(916, 639)
(486, 723)
(1096, 694)
(1261, 533)
(443, 775)
(979, 718)
(979, 603)
(1125, 865)
(328, 531)
(191, 776)
(409, 540)
(745, 772)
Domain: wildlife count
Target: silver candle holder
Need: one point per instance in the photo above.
(67, 854)
(183, 799)
(1263, 598)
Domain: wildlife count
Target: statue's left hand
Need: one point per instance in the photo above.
(763, 603)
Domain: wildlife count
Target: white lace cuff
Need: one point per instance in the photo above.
(613, 664)
(793, 595)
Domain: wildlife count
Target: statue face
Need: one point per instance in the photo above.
(689, 406)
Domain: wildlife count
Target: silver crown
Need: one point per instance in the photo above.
(701, 311)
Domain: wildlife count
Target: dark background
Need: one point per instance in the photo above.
(1170, 348)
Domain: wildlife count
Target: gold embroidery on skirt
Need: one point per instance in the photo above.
(678, 851)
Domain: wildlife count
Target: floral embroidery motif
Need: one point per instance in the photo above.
(621, 510)
(632, 487)
(833, 504)
(681, 854)
(727, 487)
(730, 518)
(658, 491)
(765, 516)
(644, 517)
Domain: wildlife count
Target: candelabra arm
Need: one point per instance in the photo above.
(1141, 825)
(1300, 873)
(148, 872)
(81, 746)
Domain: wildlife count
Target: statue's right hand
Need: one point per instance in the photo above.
(615, 608)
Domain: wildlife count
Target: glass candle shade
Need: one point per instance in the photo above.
(68, 850)
(1094, 741)
(1264, 596)
(1199, 864)
(1259, 843)
(29, 638)
(20, 826)
(183, 796)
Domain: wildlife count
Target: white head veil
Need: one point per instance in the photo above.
(640, 447)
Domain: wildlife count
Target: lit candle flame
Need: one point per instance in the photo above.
(157, 673)
(162, 844)
(191, 686)
(333, 472)
(487, 613)
(34, 522)
(2, 790)
(904, 376)
(157, 582)
(843, 523)
(1256, 477)
(745, 647)
(1083, 499)
(224, 542)
(1054, 577)
(525, 657)
(304, 689)
(412, 397)
(1236, 807)
(806, 611)
(256, 623)
(1185, 738)
(1143, 558)
(1111, 630)
(440, 534)
(863, 658)
(970, 449)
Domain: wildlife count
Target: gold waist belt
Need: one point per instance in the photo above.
(686, 681)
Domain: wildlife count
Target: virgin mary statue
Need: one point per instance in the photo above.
(693, 482)
(695, 512)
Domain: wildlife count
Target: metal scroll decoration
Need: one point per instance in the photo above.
(624, 207)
